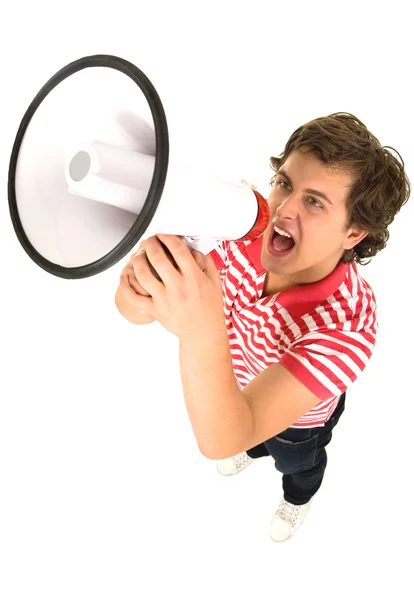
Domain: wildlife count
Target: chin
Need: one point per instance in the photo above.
(274, 264)
(271, 264)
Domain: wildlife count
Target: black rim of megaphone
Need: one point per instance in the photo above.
(157, 183)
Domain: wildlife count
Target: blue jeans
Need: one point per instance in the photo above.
(301, 456)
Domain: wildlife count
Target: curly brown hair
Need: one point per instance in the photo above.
(381, 186)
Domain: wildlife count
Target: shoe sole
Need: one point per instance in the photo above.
(231, 474)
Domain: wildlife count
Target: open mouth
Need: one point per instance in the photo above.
(280, 245)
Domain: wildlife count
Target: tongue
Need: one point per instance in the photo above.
(282, 243)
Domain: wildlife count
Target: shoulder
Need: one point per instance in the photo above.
(362, 301)
(229, 253)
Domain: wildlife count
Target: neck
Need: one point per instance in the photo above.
(279, 283)
(274, 284)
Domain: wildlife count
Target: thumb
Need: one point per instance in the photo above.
(200, 259)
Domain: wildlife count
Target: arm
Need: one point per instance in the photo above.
(225, 419)
(220, 417)
(319, 366)
(188, 302)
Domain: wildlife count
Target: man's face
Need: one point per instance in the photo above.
(316, 223)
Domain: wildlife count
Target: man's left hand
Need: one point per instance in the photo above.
(189, 298)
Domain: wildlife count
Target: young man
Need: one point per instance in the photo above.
(268, 374)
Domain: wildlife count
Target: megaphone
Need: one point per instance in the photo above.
(90, 174)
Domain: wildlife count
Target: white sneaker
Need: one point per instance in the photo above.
(234, 464)
(287, 520)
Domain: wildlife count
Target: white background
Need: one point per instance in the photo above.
(103, 492)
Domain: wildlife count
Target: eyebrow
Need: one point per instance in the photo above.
(308, 191)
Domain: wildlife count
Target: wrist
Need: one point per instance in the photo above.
(208, 335)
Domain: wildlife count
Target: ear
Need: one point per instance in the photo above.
(353, 238)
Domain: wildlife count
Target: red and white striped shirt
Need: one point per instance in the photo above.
(323, 332)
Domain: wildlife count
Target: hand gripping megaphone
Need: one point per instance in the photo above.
(90, 174)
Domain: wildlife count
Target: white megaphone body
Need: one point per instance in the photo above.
(91, 174)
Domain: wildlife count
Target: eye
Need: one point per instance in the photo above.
(284, 185)
(282, 182)
(319, 204)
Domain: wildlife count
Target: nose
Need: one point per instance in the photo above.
(288, 209)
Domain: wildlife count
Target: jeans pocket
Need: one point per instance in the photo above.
(292, 457)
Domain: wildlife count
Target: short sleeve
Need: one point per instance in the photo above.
(328, 361)
(220, 255)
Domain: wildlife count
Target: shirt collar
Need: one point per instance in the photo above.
(304, 299)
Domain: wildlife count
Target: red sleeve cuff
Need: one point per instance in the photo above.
(305, 377)
(218, 261)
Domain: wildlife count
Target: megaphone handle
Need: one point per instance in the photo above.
(201, 244)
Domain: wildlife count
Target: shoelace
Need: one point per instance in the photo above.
(288, 512)
(241, 460)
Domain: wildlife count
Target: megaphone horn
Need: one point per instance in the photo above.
(90, 173)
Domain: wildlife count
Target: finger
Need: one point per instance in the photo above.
(135, 253)
(200, 259)
(211, 269)
(180, 252)
(138, 258)
(136, 286)
(157, 256)
(128, 272)
(210, 264)
(134, 283)
(146, 275)
(143, 303)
